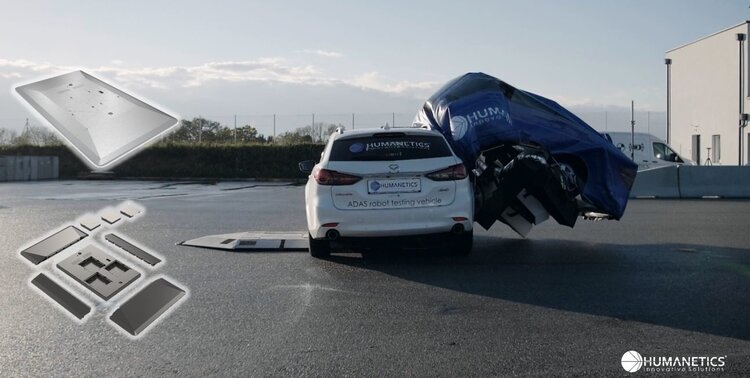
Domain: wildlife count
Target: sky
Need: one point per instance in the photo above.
(293, 58)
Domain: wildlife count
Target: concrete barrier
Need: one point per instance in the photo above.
(657, 183)
(26, 168)
(689, 181)
(725, 182)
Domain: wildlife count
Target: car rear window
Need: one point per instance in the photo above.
(389, 146)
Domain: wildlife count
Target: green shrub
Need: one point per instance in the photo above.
(186, 160)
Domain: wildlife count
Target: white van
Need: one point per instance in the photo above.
(649, 151)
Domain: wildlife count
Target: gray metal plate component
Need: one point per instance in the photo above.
(146, 306)
(133, 250)
(90, 222)
(98, 271)
(129, 210)
(111, 216)
(296, 244)
(100, 121)
(74, 305)
(53, 244)
(253, 241)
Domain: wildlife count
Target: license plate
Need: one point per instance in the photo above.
(383, 186)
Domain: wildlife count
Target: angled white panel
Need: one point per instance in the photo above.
(101, 122)
(252, 241)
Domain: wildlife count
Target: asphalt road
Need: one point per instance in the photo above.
(671, 279)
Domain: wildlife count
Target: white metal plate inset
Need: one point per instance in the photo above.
(253, 241)
(100, 121)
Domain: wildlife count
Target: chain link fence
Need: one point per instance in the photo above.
(272, 125)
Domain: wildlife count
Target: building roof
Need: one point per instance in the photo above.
(708, 36)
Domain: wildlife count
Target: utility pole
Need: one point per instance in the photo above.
(605, 121)
(200, 129)
(274, 128)
(312, 129)
(27, 132)
(352, 121)
(393, 119)
(668, 63)
(741, 40)
(648, 121)
(632, 130)
(235, 129)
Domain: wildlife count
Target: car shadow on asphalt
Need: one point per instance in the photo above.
(690, 287)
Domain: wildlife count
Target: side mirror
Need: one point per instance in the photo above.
(307, 166)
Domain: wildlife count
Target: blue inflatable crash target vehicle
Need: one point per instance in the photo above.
(531, 158)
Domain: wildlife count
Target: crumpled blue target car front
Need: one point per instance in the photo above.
(477, 112)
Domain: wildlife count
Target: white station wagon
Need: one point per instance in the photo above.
(387, 182)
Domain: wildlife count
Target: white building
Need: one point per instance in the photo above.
(707, 88)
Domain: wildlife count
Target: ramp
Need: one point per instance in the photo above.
(253, 241)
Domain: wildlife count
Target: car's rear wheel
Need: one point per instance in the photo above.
(319, 248)
(461, 244)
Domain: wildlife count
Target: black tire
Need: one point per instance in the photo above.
(319, 248)
(461, 244)
(578, 167)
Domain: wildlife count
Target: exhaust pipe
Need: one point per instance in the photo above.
(457, 228)
(332, 234)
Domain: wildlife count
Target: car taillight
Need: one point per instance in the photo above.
(329, 177)
(454, 172)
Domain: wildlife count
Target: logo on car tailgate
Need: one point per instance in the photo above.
(411, 185)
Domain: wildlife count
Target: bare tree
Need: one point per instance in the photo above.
(205, 130)
(316, 133)
(36, 136)
(7, 136)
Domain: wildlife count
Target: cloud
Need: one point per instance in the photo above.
(616, 101)
(568, 101)
(376, 81)
(22, 64)
(265, 69)
(270, 70)
(325, 53)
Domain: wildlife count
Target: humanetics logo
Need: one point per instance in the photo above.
(356, 148)
(459, 124)
(631, 361)
(374, 186)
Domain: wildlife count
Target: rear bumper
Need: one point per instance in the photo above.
(387, 222)
(402, 228)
